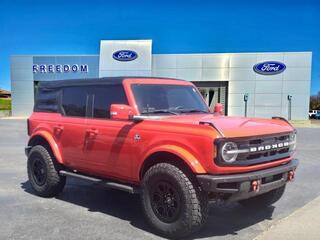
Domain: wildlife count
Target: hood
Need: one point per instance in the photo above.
(235, 126)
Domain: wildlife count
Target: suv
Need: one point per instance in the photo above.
(313, 114)
(317, 115)
(156, 137)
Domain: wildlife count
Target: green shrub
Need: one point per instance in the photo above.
(5, 104)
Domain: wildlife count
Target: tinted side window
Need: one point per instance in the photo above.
(104, 96)
(74, 101)
(46, 100)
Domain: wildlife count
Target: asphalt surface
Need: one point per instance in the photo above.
(87, 211)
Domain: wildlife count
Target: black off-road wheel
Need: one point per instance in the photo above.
(265, 199)
(43, 172)
(173, 203)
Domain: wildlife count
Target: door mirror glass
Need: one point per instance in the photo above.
(121, 112)
(218, 108)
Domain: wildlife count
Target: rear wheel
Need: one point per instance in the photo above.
(173, 204)
(43, 172)
(265, 199)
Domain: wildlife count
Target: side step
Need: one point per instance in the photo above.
(106, 183)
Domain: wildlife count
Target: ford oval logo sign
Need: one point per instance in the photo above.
(269, 68)
(125, 55)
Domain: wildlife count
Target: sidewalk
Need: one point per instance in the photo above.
(313, 123)
(302, 224)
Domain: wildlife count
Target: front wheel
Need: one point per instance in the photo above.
(265, 199)
(173, 204)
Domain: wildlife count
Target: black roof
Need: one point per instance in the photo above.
(91, 81)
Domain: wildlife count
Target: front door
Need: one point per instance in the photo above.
(108, 143)
(109, 146)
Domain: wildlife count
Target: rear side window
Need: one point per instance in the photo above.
(46, 100)
(104, 96)
(74, 101)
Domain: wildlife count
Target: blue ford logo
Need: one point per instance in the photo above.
(125, 55)
(269, 68)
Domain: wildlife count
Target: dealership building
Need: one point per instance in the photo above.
(253, 84)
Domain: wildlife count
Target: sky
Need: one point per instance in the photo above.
(76, 27)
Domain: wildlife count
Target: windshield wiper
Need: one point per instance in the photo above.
(193, 110)
(160, 111)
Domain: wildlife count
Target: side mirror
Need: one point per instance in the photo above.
(121, 112)
(218, 108)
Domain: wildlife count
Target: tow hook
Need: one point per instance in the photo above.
(255, 185)
(290, 175)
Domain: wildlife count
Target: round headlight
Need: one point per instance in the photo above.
(229, 152)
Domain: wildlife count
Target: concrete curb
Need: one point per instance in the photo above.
(13, 118)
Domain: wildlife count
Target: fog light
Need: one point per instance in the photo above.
(255, 185)
(290, 175)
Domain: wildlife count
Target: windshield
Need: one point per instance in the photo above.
(168, 99)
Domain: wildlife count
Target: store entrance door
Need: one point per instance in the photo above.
(214, 92)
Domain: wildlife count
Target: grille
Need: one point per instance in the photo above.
(270, 154)
(265, 152)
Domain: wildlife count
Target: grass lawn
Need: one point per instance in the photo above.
(5, 104)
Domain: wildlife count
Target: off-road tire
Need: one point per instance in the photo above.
(193, 211)
(52, 183)
(265, 199)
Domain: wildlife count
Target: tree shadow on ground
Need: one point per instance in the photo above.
(223, 220)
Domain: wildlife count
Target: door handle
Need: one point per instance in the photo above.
(58, 129)
(91, 133)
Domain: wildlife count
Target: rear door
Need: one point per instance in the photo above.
(71, 128)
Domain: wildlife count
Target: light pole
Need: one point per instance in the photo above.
(289, 107)
(245, 99)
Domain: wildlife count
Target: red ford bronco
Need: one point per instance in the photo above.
(156, 137)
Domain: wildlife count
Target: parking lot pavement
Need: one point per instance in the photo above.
(87, 211)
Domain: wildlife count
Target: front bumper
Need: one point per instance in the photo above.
(239, 186)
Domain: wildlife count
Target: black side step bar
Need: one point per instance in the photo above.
(106, 183)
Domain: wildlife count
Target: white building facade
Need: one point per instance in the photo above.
(276, 84)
